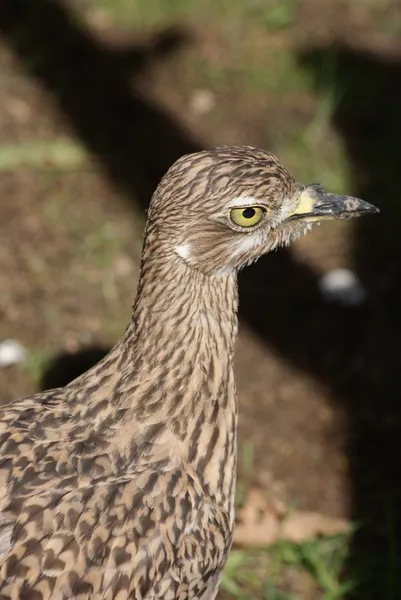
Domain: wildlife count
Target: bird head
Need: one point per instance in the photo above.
(221, 209)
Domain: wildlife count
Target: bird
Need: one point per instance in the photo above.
(121, 484)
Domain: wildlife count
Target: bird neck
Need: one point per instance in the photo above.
(179, 348)
(183, 331)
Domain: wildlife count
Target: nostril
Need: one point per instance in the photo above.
(324, 205)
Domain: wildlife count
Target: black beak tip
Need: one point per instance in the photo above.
(367, 208)
(360, 207)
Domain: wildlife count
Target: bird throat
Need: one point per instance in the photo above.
(183, 336)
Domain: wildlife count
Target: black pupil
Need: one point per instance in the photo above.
(248, 213)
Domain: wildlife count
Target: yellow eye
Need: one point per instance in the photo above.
(247, 216)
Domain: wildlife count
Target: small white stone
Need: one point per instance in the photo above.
(11, 353)
(342, 286)
(202, 102)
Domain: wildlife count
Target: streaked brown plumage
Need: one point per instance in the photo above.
(121, 484)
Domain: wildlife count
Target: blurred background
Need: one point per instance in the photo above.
(97, 99)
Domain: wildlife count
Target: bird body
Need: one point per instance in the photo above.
(121, 485)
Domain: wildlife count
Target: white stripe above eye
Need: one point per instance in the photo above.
(244, 201)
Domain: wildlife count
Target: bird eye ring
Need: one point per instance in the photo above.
(247, 216)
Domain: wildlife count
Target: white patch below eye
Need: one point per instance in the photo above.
(249, 241)
(183, 250)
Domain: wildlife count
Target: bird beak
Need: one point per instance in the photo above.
(317, 205)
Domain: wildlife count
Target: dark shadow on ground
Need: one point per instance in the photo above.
(355, 352)
(369, 122)
(68, 366)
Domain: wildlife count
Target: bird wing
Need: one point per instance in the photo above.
(72, 526)
(152, 535)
